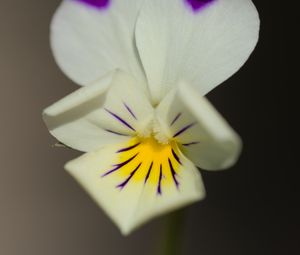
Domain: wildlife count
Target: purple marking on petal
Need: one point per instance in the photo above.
(114, 132)
(176, 157)
(99, 4)
(128, 148)
(120, 119)
(176, 118)
(198, 5)
(148, 174)
(173, 173)
(159, 192)
(118, 166)
(123, 184)
(189, 144)
(130, 111)
(184, 129)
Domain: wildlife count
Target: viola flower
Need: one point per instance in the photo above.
(142, 119)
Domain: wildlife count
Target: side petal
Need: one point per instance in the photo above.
(202, 42)
(122, 192)
(109, 110)
(92, 37)
(205, 137)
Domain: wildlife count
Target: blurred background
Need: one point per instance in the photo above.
(250, 209)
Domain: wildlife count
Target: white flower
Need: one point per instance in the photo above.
(142, 120)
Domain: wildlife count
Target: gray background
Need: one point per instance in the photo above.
(249, 209)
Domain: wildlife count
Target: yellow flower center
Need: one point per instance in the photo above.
(149, 161)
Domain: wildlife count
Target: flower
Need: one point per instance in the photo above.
(142, 119)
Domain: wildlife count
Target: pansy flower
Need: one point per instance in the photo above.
(141, 117)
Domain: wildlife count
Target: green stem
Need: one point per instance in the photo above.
(174, 233)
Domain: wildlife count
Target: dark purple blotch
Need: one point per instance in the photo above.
(99, 4)
(198, 5)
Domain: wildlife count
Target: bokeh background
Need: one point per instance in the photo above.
(250, 209)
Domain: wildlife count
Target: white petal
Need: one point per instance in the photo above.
(88, 42)
(203, 48)
(107, 111)
(137, 201)
(205, 137)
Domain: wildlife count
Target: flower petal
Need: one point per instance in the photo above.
(110, 110)
(123, 193)
(92, 37)
(202, 42)
(204, 135)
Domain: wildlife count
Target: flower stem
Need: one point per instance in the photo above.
(174, 233)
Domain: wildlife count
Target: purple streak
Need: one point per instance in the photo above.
(198, 5)
(176, 118)
(149, 171)
(173, 173)
(118, 166)
(176, 157)
(99, 4)
(120, 119)
(130, 111)
(128, 148)
(184, 129)
(159, 192)
(189, 144)
(123, 184)
(114, 132)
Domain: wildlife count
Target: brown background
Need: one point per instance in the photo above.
(249, 209)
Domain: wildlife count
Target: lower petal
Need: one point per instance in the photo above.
(138, 180)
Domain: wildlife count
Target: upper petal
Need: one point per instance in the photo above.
(109, 110)
(202, 42)
(205, 137)
(90, 38)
